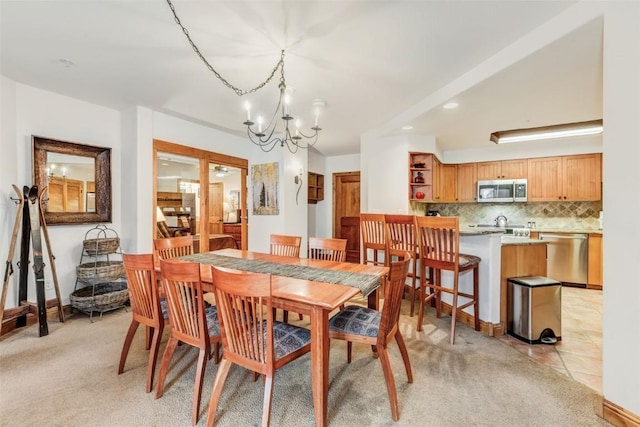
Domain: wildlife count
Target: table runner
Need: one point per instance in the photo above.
(367, 283)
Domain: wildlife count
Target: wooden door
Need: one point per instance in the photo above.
(346, 208)
(216, 212)
(467, 182)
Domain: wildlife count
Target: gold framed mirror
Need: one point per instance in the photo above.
(78, 177)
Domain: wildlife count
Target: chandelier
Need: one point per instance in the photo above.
(267, 134)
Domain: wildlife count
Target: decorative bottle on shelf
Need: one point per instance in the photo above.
(419, 179)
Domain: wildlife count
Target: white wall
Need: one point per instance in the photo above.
(621, 159)
(28, 111)
(324, 209)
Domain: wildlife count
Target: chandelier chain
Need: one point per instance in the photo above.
(238, 91)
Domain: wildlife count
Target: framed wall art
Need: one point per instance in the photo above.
(264, 182)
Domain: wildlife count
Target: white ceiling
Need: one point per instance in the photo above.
(376, 63)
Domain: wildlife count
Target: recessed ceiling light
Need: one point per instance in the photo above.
(407, 127)
(450, 105)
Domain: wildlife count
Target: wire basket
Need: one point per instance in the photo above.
(101, 246)
(100, 271)
(101, 297)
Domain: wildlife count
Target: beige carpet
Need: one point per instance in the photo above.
(69, 379)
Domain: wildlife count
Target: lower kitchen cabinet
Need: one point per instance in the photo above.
(519, 261)
(594, 269)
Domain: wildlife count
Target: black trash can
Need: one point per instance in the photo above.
(534, 309)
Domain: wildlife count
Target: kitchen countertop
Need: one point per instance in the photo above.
(508, 240)
(471, 230)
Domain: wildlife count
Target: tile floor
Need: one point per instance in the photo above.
(579, 353)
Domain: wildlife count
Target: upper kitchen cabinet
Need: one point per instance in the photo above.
(566, 178)
(447, 183)
(505, 169)
(422, 176)
(467, 174)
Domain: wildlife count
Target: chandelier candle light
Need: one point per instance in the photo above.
(268, 136)
(264, 136)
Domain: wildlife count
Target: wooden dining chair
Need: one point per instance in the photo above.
(374, 239)
(439, 248)
(146, 309)
(173, 247)
(250, 336)
(327, 249)
(365, 325)
(401, 238)
(285, 246)
(191, 322)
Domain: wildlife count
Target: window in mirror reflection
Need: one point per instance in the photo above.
(71, 183)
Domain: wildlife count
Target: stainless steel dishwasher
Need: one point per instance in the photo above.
(567, 257)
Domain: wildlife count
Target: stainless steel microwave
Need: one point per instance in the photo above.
(502, 191)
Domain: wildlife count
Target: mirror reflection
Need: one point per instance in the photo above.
(77, 178)
(71, 181)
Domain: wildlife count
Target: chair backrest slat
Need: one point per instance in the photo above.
(393, 295)
(439, 241)
(328, 249)
(185, 302)
(285, 245)
(246, 317)
(401, 234)
(142, 286)
(173, 247)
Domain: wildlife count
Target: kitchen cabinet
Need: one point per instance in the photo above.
(65, 195)
(518, 261)
(504, 169)
(422, 177)
(594, 269)
(447, 183)
(566, 178)
(467, 182)
(315, 188)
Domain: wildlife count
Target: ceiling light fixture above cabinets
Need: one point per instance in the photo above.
(592, 127)
(450, 105)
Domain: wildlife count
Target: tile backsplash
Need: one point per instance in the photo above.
(555, 215)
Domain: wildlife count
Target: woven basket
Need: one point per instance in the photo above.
(100, 271)
(102, 246)
(102, 297)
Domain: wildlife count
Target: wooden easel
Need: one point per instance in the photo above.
(31, 215)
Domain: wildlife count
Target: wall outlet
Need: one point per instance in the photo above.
(48, 285)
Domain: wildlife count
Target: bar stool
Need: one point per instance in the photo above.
(439, 243)
(401, 238)
(372, 230)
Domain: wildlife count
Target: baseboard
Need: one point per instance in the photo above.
(487, 328)
(618, 416)
(9, 325)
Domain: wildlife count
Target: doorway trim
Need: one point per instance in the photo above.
(205, 158)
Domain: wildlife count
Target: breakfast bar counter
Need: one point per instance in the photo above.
(501, 257)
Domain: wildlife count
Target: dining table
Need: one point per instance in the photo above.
(307, 286)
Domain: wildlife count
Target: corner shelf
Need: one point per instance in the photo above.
(421, 166)
(316, 187)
